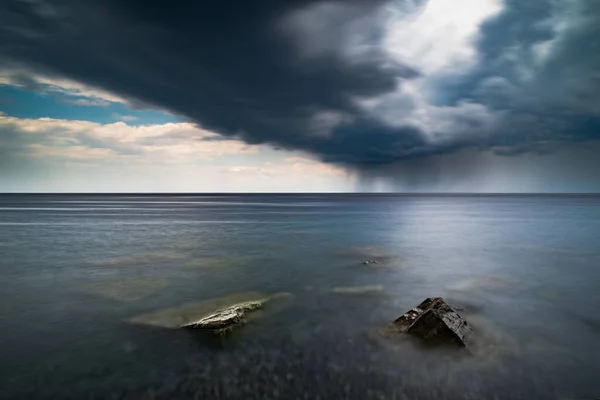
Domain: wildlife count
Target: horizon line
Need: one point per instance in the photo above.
(309, 193)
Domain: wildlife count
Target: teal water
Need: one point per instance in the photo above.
(76, 269)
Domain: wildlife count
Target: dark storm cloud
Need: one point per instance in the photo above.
(226, 67)
(540, 66)
(250, 70)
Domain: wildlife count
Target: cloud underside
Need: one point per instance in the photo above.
(358, 83)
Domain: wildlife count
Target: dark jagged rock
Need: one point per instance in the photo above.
(371, 262)
(436, 322)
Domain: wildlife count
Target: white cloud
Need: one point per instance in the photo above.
(436, 39)
(73, 153)
(87, 102)
(75, 140)
(439, 37)
(61, 86)
(301, 172)
(80, 156)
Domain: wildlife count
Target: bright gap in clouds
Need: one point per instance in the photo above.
(438, 36)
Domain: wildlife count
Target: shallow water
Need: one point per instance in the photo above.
(77, 270)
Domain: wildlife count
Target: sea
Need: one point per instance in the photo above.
(93, 289)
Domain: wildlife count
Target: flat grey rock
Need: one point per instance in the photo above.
(225, 319)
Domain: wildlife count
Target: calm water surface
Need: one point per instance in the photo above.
(75, 270)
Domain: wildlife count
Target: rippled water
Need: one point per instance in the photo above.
(79, 273)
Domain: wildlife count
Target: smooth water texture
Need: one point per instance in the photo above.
(76, 269)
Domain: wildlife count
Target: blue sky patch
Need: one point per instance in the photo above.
(23, 103)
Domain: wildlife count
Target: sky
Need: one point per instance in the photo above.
(491, 96)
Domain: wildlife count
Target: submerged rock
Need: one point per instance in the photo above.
(225, 319)
(436, 322)
(370, 262)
